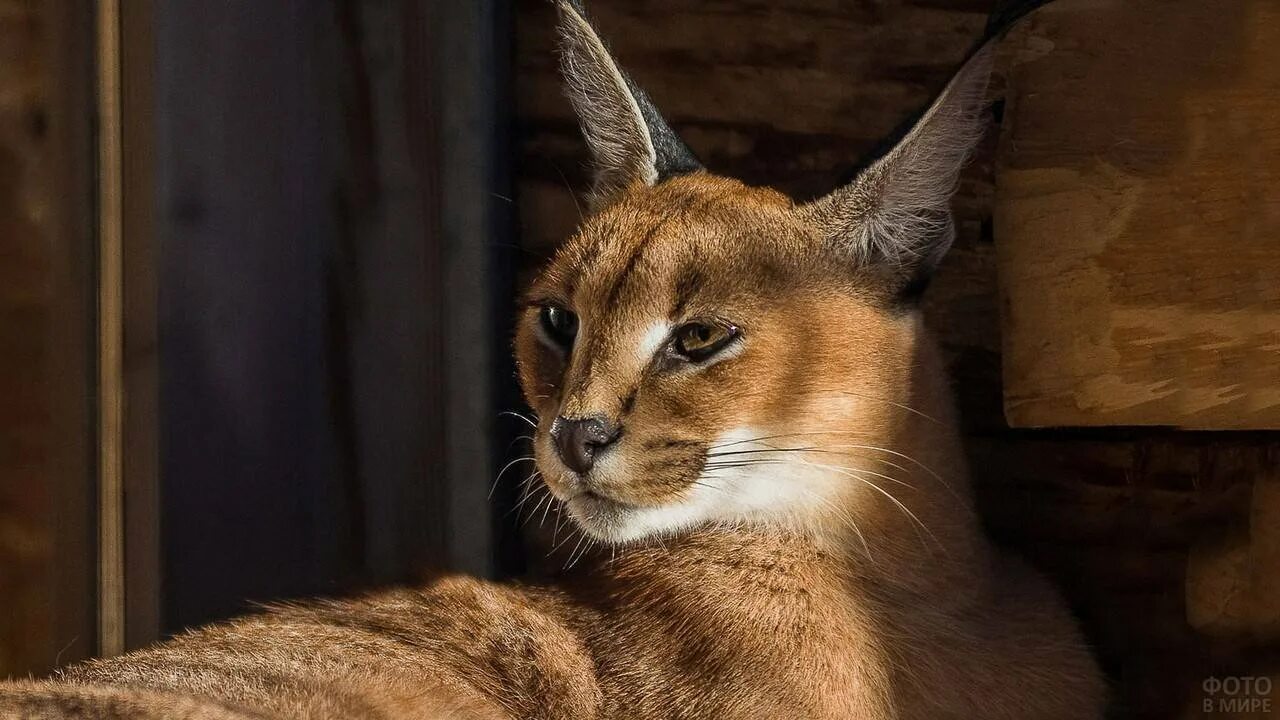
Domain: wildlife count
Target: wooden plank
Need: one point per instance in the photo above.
(247, 144)
(140, 361)
(27, 433)
(128, 369)
(110, 336)
(1137, 216)
(47, 562)
(1233, 590)
(424, 200)
(71, 334)
(472, 229)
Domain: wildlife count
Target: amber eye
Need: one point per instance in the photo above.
(698, 341)
(560, 325)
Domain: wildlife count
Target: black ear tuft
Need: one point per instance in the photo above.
(673, 156)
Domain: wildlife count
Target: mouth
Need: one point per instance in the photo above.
(599, 515)
(591, 505)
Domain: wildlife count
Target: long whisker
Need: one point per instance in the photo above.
(546, 497)
(886, 401)
(855, 475)
(787, 435)
(830, 450)
(519, 438)
(846, 518)
(748, 463)
(895, 453)
(573, 560)
(567, 538)
(909, 459)
(555, 532)
(764, 450)
(907, 485)
(508, 466)
(547, 509)
(520, 416)
(827, 448)
(525, 485)
(574, 551)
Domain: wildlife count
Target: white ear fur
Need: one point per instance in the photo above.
(897, 211)
(630, 142)
(610, 116)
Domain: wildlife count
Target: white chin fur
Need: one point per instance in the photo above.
(614, 523)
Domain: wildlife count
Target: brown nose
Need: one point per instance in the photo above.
(579, 441)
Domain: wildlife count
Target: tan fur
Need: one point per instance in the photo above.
(783, 531)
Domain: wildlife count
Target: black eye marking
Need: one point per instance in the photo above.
(703, 339)
(559, 325)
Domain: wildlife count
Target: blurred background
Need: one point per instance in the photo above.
(258, 262)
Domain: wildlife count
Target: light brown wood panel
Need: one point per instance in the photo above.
(1138, 215)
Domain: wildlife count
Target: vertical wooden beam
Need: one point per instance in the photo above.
(46, 342)
(392, 309)
(111, 399)
(140, 366)
(468, 130)
(72, 332)
(432, 299)
(246, 150)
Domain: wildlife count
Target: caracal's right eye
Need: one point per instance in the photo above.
(559, 325)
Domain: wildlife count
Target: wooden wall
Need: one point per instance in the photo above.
(25, 544)
(46, 566)
(317, 270)
(791, 94)
(1143, 193)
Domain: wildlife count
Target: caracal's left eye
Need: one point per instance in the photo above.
(698, 341)
(560, 325)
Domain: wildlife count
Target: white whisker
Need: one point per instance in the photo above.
(508, 466)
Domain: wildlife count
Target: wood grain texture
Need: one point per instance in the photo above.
(46, 340)
(1138, 213)
(26, 307)
(1233, 589)
(140, 351)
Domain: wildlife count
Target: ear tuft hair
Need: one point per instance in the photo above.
(629, 139)
(897, 213)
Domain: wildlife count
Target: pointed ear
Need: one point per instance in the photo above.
(630, 141)
(897, 213)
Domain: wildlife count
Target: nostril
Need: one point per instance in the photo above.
(578, 441)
